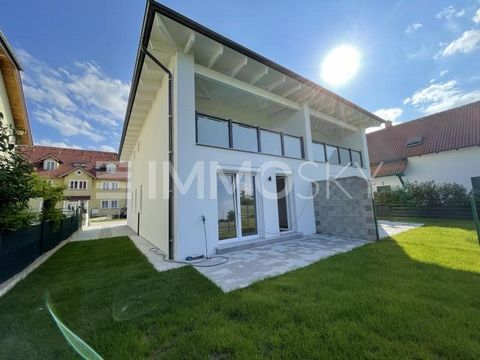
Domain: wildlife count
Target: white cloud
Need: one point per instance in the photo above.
(48, 142)
(443, 73)
(476, 18)
(466, 43)
(451, 16)
(391, 114)
(107, 148)
(67, 124)
(413, 27)
(77, 100)
(450, 12)
(441, 96)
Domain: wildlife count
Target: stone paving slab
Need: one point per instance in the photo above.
(391, 228)
(103, 231)
(247, 266)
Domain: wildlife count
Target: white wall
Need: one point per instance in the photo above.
(200, 198)
(392, 181)
(146, 171)
(456, 166)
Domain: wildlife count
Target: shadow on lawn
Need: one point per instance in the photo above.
(376, 301)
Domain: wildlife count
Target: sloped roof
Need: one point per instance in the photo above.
(10, 69)
(72, 159)
(396, 167)
(448, 130)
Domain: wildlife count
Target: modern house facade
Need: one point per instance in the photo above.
(95, 181)
(236, 131)
(13, 111)
(443, 147)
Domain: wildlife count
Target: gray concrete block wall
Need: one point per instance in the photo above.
(339, 214)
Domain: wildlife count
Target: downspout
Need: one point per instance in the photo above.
(401, 180)
(170, 150)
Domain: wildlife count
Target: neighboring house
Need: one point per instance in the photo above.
(443, 147)
(95, 180)
(202, 103)
(13, 111)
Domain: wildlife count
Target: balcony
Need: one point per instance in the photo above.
(336, 155)
(227, 134)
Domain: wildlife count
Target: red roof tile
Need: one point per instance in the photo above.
(396, 167)
(70, 159)
(448, 130)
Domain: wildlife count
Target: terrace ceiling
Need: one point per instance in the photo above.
(217, 62)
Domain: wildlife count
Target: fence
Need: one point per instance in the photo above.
(18, 249)
(460, 215)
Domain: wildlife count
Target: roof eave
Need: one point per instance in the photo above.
(153, 7)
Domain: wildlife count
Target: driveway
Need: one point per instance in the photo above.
(102, 230)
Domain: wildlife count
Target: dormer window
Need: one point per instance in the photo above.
(414, 141)
(49, 164)
(111, 167)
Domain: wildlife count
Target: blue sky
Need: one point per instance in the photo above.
(417, 57)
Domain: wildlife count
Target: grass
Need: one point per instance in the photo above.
(414, 296)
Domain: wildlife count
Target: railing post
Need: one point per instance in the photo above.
(282, 143)
(476, 220)
(259, 140)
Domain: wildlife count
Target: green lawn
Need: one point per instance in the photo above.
(415, 296)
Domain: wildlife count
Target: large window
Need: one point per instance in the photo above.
(78, 184)
(332, 154)
(237, 206)
(229, 134)
(319, 152)
(227, 215)
(49, 164)
(356, 158)
(212, 132)
(110, 185)
(292, 146)
(244, 137)
(271, 142)
(344, 156)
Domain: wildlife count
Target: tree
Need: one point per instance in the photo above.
(15, 184)
(51, 195)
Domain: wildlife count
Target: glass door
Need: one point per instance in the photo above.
(227, 213)
(248, 205)
(237, 206)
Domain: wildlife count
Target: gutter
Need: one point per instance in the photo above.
(170, 151)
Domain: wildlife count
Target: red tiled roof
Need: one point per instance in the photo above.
(396, 167)
(71, 158)
(448, 130)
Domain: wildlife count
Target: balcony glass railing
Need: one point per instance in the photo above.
(337, 155)
(213, 131)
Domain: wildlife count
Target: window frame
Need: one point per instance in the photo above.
(258, 129)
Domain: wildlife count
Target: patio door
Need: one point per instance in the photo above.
(237, 206)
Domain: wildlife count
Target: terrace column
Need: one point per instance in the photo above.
(308, 133)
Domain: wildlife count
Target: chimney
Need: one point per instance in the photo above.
(388, 123)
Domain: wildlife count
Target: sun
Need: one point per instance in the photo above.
(340, 65)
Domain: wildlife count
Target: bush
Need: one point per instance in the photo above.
(425, 194)
(15, 184)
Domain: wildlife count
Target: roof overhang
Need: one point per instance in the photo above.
(10, 67)
(166, 32)
(389, 168)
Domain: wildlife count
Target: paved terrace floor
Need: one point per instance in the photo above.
(102, 230)
(247, 266)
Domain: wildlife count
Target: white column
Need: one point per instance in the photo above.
(308, 133)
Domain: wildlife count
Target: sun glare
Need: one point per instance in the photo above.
(340, 65)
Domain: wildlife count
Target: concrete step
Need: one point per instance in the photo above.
(248, 244)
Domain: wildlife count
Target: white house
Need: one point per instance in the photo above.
(236, 129)
(443, 147)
